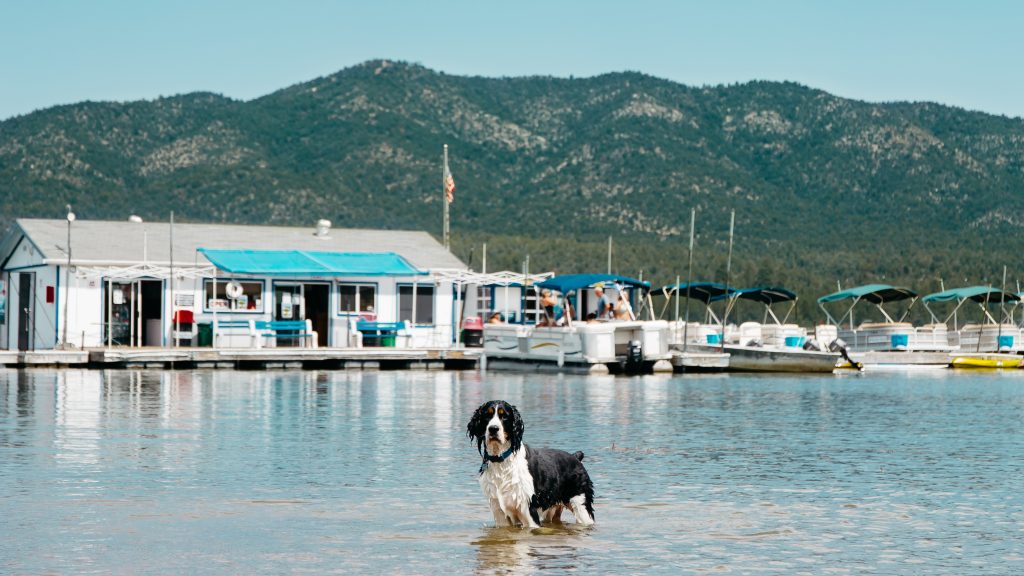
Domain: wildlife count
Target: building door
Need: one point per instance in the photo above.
(288, 305)
(151, 306)
(318, 298)
(134, 313)
(26, 311)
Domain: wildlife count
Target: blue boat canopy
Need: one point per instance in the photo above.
(874, 293)
(307, 263)
(570, 282)
(765, 295)
(704, 291)
(978, 294)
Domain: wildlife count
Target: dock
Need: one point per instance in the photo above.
(249, 359)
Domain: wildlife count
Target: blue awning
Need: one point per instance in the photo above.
(704, 291)
(766, 295)
(306, 263)
(570, 282)
(874, 293)
(976, 293)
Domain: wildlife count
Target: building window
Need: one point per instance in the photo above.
(234, 295)
(357, 299)
(424, 298)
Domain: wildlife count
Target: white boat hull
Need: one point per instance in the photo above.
(585, 344)
(773, 359)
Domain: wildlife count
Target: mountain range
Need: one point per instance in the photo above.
(826, 191)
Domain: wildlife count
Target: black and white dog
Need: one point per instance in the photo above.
(525, 485)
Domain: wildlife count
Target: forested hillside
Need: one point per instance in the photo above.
(825, 189)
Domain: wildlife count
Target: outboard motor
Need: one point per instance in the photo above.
(634, 357)
(838, 345)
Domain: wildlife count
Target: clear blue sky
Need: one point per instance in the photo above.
(965, 53)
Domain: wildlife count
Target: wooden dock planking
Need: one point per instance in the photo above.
(244, 358)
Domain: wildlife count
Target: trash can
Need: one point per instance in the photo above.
(473, 332)
(387, 340)
(204, 337)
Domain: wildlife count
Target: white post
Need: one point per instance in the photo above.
(213, 305)
(458, 315)
(174, 316)
(110, 313)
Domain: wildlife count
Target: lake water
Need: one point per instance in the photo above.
(175, 472)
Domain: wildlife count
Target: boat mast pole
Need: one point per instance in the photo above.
(1002, 310)
(689, 280)
(609, 255)
(728, 273)
(677, 299)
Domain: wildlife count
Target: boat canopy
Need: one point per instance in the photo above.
(704, 291)
(874, 293)
(308, 263)
(765, 295)
(980, 294)
(569, 282)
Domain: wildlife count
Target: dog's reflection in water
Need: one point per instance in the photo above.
(507, 550)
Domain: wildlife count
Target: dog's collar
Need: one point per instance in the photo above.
(499, 458)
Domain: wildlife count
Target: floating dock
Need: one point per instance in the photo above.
(251, 359)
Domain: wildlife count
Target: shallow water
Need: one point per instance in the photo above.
(371, 472)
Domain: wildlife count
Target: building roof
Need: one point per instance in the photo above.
(122, 242)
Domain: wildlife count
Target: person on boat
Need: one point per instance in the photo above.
(552, 311)
(495, 319)
(623, 309)
(604, 306)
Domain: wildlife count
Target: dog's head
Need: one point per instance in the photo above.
(496, 427)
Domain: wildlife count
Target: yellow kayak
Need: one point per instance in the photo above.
(987, 362)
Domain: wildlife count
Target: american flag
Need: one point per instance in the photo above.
(449, 184)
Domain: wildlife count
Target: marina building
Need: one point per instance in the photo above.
(85, 284)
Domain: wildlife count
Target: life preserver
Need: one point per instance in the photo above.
(233, 290)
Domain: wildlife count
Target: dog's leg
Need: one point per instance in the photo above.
(500, 518)
(529, 518)
(576, 504)
(554, 514)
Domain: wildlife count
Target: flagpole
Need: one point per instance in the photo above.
(444, 199)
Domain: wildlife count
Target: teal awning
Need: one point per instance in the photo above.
(306, 263)
(975, 293)
(766, 295)
(569, 282)
(706, 292)
(874, 293)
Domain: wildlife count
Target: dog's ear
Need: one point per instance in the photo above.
(517, 429)
(475, 428)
